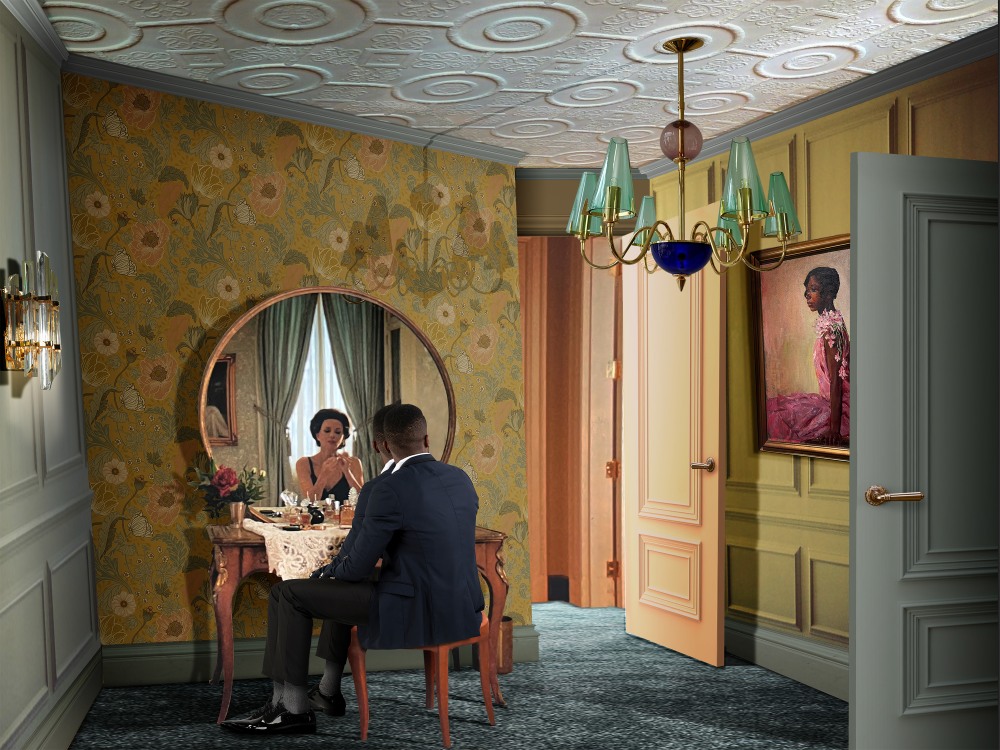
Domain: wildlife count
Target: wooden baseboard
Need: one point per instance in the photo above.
(164, 663)
(825, 668)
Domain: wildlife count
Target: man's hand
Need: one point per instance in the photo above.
(325, 571)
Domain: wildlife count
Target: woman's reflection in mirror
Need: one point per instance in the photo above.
(331, 472)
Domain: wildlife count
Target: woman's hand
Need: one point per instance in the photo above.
(353, 471)
(330, 472)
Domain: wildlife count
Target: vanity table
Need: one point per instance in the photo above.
(236, 553)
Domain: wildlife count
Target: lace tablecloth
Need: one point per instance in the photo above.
(296, 554)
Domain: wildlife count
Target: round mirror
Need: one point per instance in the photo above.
(310, 349)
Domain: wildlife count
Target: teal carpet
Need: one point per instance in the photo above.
(595, 688)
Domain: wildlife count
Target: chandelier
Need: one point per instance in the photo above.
(29, 317)
(603, 200)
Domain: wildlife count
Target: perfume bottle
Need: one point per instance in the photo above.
(347, 512)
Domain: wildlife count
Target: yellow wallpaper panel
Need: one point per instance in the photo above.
(185, 214)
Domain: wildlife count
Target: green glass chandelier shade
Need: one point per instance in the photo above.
(779, 198)
(645, 218)
(616, 174)
(585, 192)
(743, 189)
(734, 231)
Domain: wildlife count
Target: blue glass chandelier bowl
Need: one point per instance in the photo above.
(681, 257)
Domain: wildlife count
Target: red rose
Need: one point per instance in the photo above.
(225, 481)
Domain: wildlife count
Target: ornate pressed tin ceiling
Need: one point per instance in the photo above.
(552, 79)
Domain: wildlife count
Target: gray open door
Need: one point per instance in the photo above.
(925, 275)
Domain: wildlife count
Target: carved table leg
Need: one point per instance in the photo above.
(223, 590)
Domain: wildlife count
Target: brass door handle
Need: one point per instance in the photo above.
(708, 465)
(876, 495)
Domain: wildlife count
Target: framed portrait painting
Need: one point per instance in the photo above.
(803, 351)
(220, 403)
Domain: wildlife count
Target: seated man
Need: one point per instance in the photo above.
(421, 518)
(335, 637)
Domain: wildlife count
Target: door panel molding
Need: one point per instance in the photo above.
(676, 509)
(920, 213)
(679, 552)
(925, 692)
(681, 511)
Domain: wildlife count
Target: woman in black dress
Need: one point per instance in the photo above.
(330, 472)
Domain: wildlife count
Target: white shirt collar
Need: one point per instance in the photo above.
(400, 462)
(388, 466)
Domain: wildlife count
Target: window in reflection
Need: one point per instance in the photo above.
(320, 389)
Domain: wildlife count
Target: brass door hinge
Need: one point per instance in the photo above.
(614, 370)
(614, 569)
(613, 469)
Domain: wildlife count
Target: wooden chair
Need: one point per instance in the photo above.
(435, 674)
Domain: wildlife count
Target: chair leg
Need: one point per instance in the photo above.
(429, 678)
(442, 689)
(456, 659)
(356, 658)
(484, 678)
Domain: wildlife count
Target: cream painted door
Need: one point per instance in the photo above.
(673, 411)
(925, 267)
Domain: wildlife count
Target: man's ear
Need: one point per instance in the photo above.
(427, 442)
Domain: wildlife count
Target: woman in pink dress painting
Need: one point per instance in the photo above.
(822, 417)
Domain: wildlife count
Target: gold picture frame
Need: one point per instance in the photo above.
(801, 335)
(220, 410)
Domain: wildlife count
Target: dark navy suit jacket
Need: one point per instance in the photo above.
(421, 519)
(359, 512)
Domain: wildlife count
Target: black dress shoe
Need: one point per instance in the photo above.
(252, 716)
(273, 720)
(335, 705)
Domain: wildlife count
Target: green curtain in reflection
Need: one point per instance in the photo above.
(282, 348)
(356, 339)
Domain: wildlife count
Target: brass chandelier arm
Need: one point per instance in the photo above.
(589, 262)
(729, 261)
(649, 233)
(761, 269)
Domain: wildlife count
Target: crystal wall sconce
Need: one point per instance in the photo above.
(29, 317)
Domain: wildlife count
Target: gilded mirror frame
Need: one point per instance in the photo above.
(235, 327)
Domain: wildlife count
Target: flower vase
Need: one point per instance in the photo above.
(237, 511)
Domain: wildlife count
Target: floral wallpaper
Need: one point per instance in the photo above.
(184, 215)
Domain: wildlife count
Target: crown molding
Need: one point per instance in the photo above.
(267, 105)
(955, 55)
(33, 20)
